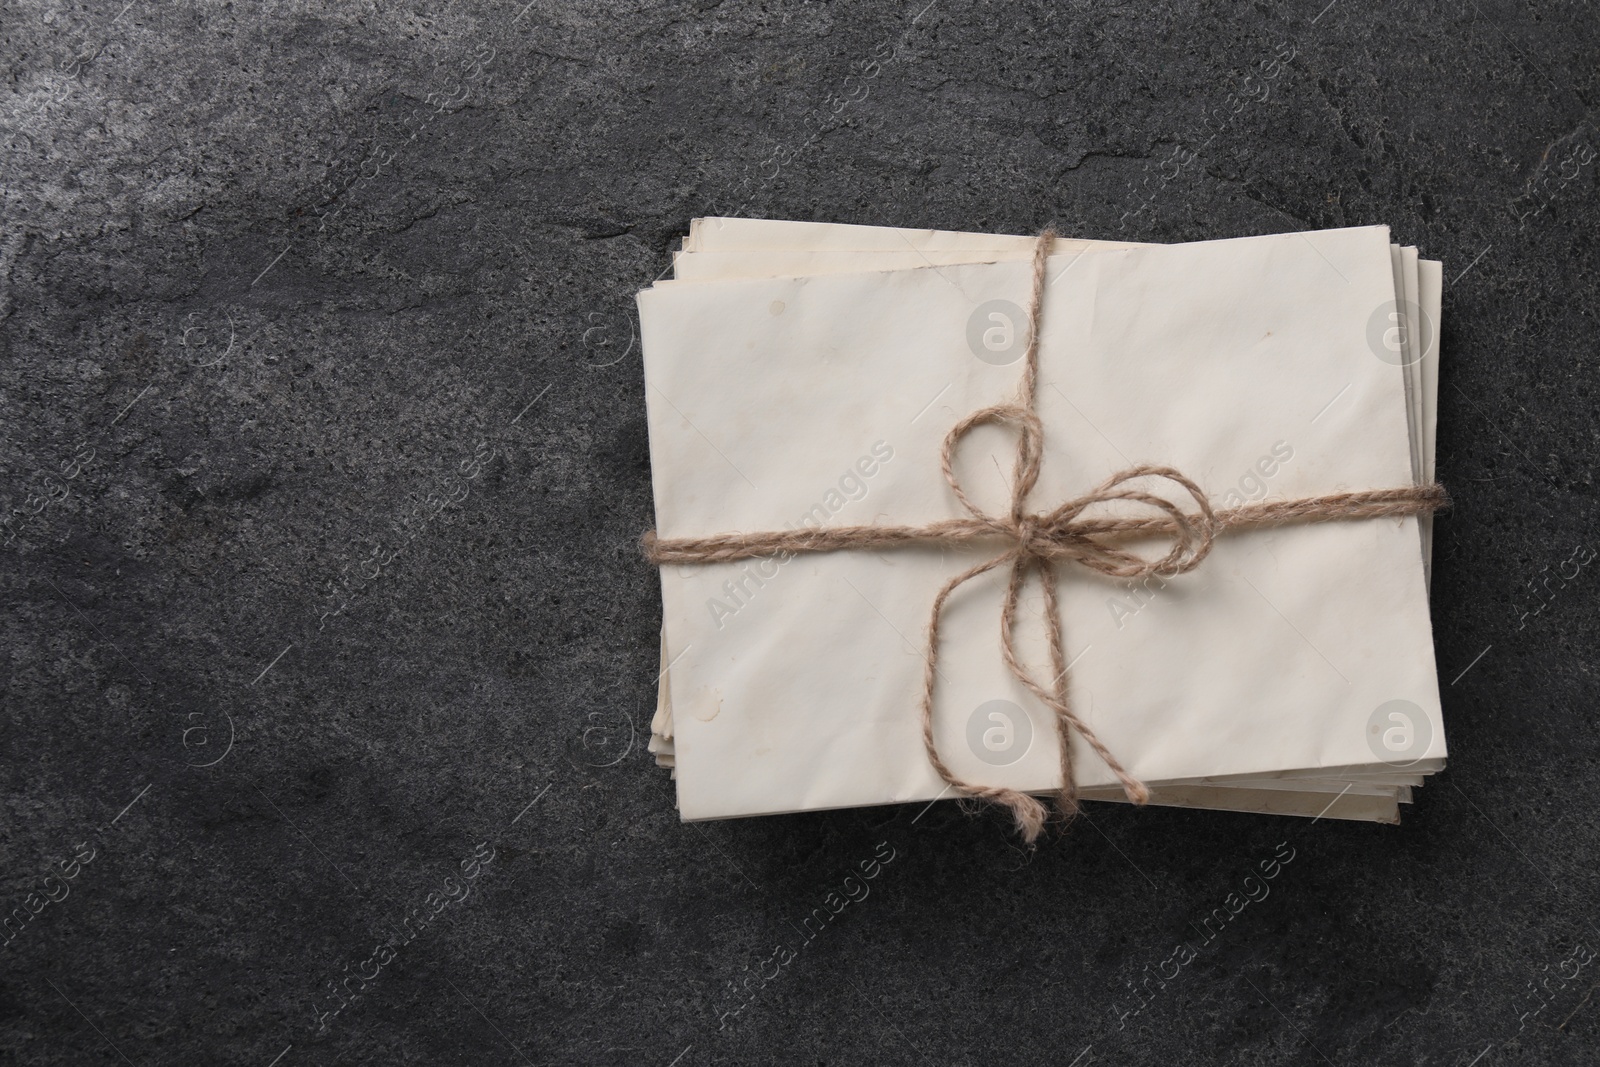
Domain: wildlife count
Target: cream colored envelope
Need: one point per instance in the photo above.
(835, 259)
(1232, 794)
(760, 235)
(786, 262)
(1430, 289)
(686, 733)
(723, 266)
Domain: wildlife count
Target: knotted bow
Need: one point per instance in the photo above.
(1036, 541)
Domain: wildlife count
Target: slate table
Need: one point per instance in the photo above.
(330, 656)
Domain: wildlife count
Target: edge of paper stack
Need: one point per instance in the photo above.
(720, 249)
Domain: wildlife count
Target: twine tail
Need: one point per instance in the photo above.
(1067, 795)
(1056, 698)
(1029, 814)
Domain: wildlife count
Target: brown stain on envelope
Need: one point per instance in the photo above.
(706, 704)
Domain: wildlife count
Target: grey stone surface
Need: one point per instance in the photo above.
(277, 281)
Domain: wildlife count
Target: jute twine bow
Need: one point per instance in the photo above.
(1035, 543)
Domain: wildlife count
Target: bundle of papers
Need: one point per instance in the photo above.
(803, 374)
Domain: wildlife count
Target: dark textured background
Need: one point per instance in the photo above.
(277, 280)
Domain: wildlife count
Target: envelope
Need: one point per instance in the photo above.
(798, 783)
(786, 262)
